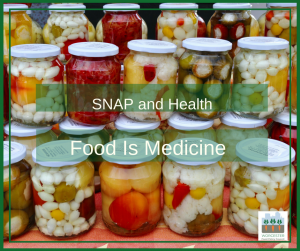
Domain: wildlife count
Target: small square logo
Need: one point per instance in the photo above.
(272, 226)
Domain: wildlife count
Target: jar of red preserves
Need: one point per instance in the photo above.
(5, 96)
(121, 24)
(93, 73)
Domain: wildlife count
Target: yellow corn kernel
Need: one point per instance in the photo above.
(167, 32)
(193, 17)
(198, 193)
(252, 203)
(276, 29)
(168, 198)
(57, 215)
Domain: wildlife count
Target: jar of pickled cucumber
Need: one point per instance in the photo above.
(63, 189)
(20, 213)
(293, 93)
(260, 181)
(178, 24)
(204, 78)
(260, 77)
(37, 31)
(234, 129)
(93, 135)
(150, 72)
(37, 92)
(129, 128)
(67, 26)
(20, 28)
(193, 189)
(130, 187)
(30, 137)
(182, 127)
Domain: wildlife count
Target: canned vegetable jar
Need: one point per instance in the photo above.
(20, 217)
(93, 73)
(260, 77)
(63, 189)
(260, 181)
(204, 78)
(37, 92)
(178, 24)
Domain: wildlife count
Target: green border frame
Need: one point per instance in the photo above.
(196, 241)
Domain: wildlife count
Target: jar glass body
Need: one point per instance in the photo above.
(200, 211)
(37, 91)
(5, 96)
(231, 25)
(37, 33)
(262, 23)
(259, 83)
(20, 31)
(120, 27)
(21, 199)
(255, 188)
(66, 28)
(230, 136)
(199, 73)
(141, 69)
(64, 199)
(293, 93)
(124, 188)
(176, 25)
(89, 78)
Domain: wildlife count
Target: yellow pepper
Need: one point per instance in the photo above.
(168, 198)
(167, 32)
(198, 193)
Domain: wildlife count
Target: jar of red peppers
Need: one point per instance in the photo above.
(67, 26)
(5, 96)
(121, 24)
(93, 73)
(178, 24)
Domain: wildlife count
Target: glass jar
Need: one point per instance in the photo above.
(260, 77)
(130, 188)
(293, 93)
(93, 73)
(129, 128)
(92, 135)
(29, 137)
(262, 22)
(150, 76)
(193, 190)
(67, 26)
(234, 129)
(121, 25)
(37, 92)
(21, 211)
(5, 96)
(37, 31)
(63, 189)
(20, 28)
(181, 127)
(204, 78)
(260, 181)
(178, 24)
(232, 24)
(92, 32)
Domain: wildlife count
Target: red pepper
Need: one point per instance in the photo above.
(87, 207)
(180, 21)
(287, 15)
(269, 15)
(149, 72)
(237, 31)
(180, 191)
(220, 31)
(37, 200)
(201, 31)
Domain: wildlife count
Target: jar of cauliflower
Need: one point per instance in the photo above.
(234, 129)
(178, 24)
(150, 72)
(20, 213)
(37, 91)
(260, 77)
(63, 189)
(193, 191)
(204, 78)
(260, 181)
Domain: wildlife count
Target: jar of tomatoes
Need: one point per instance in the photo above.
(93, 135)
(5, 96)
(29, 137)
(67, 26)
(121, 24)
(37, 91)
(293, 94)
(18, 208)
(179, 23)
(260, 77)
(150, 72)
(193, 189)
(93, 73)
(260, 181)
(63, 189)
(130, 188)
(20, 30)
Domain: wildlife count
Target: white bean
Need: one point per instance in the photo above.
(73, 36)
(47, 178)
(68, 228)
(85, 226)
(51, 72)
(64, 207)
(79, 196)
(58, 231)
(74, 216)
(74, 205)
(29, 72)
(58, 177)
(45, 214)
(50, 206)
(46, 197)
(78, 221)
(63, 25)
(72, 24)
